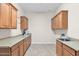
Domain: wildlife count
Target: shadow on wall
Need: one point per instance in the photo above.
(5, 33)
(59, 32)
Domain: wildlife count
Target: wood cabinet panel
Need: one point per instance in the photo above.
(4, 54)
(24, 23)
(5, 21)
(15, 52)
(65, 21)
(66, 53)
(14, 17)
(59, 43)
(27, 43)
(7, 16)
(64, 50)
(60, 21)
(21, 49)
(59, 49)
(5, 51)
(25, 46)
(14, 47)
(69, 49)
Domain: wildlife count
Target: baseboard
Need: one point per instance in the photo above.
(43, 43)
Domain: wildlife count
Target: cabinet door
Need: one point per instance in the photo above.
(5, 20)
(24, 23)
(70, 50)
(21, 50)
(66, 53)
(59, 48)
(15, 52)
(29, 41)
(53, 24)
(65, 19)
(59, 21)
(14, 17)
(25, 46)
(56, 22)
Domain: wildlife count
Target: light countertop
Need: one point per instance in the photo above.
(8, 42)
(74, 43)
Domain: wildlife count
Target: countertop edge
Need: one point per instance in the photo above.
(17, 40)
(68, 44)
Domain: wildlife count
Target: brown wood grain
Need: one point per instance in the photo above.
(60, 21)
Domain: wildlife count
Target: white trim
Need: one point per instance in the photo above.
(43, 43)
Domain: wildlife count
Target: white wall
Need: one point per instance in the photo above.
(40, 27)
(73, 18)
(5, 33)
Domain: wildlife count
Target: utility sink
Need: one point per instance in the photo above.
(65, 39)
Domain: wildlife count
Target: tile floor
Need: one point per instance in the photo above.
(41, 50)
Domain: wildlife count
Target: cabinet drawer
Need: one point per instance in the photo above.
(5, 50)
(70, 50)
(66, 53)
(59, 43)
(14, 47)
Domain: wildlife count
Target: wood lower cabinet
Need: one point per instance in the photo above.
(59, 48)
(27, 43)
(69, 50)
(4, 51)
(66, 53)
(25, 46)
(15, 52)
(64, 50)
(19, 49)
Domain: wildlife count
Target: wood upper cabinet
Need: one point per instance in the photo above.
(5, 20)
(7, 16)
(60, 21)
(24, 23)
(13, 17)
